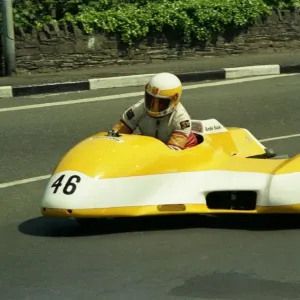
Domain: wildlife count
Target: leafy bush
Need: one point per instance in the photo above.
(283, 4)
(135, 19)
(193, 19)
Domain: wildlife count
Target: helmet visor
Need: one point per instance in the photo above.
(155, 104)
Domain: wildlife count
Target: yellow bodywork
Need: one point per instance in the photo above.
(103, 157)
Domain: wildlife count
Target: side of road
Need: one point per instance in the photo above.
(216, 68)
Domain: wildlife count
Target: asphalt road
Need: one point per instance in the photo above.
(178, 258)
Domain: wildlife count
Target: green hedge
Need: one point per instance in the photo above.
(135, 19)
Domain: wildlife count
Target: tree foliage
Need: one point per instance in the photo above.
(135, 19)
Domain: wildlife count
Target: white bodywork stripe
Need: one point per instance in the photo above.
(176, 188)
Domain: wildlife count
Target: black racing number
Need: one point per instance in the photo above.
(70, 186)
(57, 183)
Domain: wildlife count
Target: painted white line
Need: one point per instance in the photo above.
(280, 138)
(39, 178)
(23, 181)
(68, 102)
(136, 94)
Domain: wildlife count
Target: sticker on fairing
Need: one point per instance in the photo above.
(109, 138)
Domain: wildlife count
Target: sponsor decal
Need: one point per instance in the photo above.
(215, 127)
(185, 124)
(130, 114)
(112, 138)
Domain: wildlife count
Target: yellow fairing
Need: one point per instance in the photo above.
(113, 177)
(155, 210)
(135, 155)
(290, 166)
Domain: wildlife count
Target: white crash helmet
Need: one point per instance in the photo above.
(162, 94)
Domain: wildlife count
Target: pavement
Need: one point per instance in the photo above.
(226, 258)
(188, 70)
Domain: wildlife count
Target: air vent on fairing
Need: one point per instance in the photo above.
(232, 200)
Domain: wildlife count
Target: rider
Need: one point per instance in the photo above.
(160, 114)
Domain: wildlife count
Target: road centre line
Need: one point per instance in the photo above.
(136, 94)
(280, 138)
(24, 181)
(39, 178)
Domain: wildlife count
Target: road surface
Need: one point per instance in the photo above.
(177, 258)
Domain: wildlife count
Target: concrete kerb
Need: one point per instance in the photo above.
(120, 81)
(138, 80)
(6, 92)
(250, 71)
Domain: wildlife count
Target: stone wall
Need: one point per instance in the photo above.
(67, 47)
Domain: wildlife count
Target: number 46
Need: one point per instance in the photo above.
(69, 188)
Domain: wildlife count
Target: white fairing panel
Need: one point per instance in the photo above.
(208, 126)
(176, 188)
(285, 188)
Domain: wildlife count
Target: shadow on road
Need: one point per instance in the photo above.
(52, 227)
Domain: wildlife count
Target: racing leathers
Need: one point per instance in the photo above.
(173, 129)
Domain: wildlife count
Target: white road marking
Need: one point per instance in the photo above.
(23, 181)
(136, 94)
(281, 138)
(39, 178)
